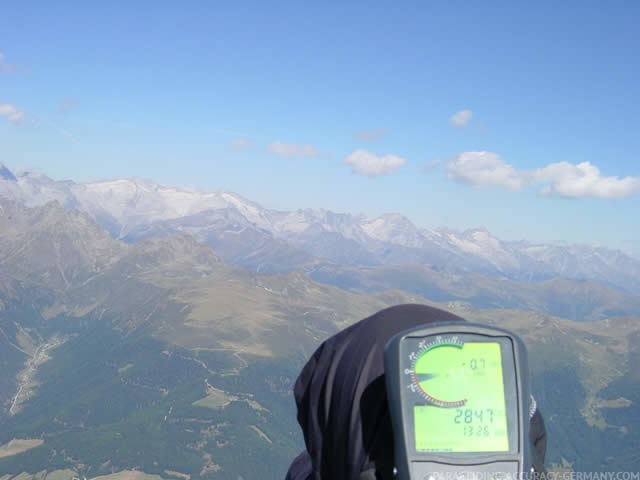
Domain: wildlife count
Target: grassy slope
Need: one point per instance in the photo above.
(152, 330)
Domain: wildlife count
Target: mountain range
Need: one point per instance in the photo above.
(158, 356)
(245, 234)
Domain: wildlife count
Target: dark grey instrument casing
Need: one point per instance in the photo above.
(415, 465)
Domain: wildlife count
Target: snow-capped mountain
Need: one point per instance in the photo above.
(251, 236)
(5, 174)
(133, 203)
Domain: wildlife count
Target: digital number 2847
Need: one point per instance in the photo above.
(469, 415)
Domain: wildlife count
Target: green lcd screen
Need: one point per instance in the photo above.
(465, 407)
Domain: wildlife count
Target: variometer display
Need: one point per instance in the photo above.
(463, 388)
(459, 400)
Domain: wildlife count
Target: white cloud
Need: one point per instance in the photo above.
(371, 165)
(583, 180)
(11, 112)
(461, 119)
(292, 150)
(4, 66)
(370, 135)
(483, 169)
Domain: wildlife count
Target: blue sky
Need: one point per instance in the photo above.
(519, 117)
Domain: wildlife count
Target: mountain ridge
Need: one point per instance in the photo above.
(134, 209)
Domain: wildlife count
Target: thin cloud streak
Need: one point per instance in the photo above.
(293, 150)
(231, 132)
(67, 104)
(6, 67)
(431, 166)
(57, 128)
(241, 143)
(370, 135)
